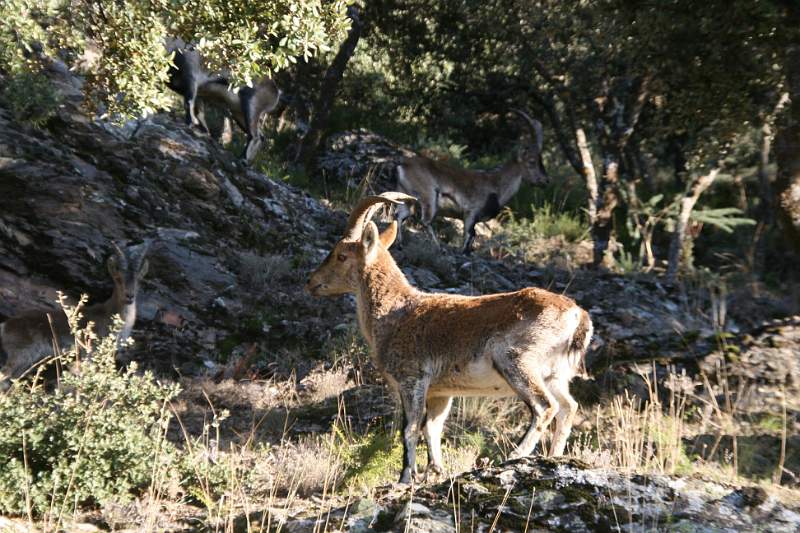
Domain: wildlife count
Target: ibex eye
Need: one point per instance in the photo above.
(341, 257)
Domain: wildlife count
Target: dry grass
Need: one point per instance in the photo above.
(321, 386)
(312, 465)
(638, 436)
(681, 429)
(259, 271)
(244, 467)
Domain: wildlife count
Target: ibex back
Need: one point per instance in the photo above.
(27, 338)
(431, 347)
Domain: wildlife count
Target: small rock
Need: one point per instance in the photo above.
(412, 509)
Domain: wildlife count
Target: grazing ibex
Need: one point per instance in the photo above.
(431, 347)
(246, 106)
(186, 76)
(27, 338)
(473, 195)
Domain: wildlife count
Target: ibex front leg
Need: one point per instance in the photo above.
(437, 410)
(412, 396)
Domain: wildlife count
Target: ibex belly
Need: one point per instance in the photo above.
(476, 378)
(448, 206)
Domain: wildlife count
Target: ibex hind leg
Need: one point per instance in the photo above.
(251, 148)
(427, 214)
(531, 389)
(250, 114)
(200, 114)
(565, 416)
(469, 234)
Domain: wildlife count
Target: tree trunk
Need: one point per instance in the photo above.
(606, 201)
(787, 154)
(589, 174)
(330, 85)
(617, 111)
(697, 187)
(765, 214)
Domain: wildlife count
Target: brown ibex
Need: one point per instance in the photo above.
(431, 347)
(473, 195)
(246, 106)
(27, 338)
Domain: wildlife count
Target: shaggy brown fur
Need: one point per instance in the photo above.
(431, 347)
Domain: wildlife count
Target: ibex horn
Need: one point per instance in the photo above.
(364, 210)
(536, 127)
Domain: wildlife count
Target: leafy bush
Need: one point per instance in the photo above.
(99, 436)
(126, 65)
(545, 223)
(373, 459)
(31, 97)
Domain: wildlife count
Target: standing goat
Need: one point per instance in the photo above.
(473, 195)
(247, 105)
(431, 347)
(28, 337)
(186, 76)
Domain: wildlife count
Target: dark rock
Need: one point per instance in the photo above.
(542, 494)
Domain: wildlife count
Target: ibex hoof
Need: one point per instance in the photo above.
(432, 474)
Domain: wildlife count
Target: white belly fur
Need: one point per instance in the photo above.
(479, 378)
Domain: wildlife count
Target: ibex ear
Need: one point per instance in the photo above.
(389, 235)
(370, 239)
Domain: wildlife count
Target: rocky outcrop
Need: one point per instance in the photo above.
(67, 192)
(361, 158)
(535, 494)
(232, 249)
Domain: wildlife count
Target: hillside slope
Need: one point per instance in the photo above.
(232, 249)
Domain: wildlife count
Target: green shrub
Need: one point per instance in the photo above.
(31, 98)
(249, 38)
(373, 459)
(98, 437)
(546, 222)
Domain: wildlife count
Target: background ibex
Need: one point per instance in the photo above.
(27, 338)
(473, 195)
(186, 76)
(431, 347)
(246, 106)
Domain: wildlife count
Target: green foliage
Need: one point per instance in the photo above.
(625, 262)
(441, 147)
(19, 29)
(723, 218)
(27, 93)
(202, 475)
(98, 437)
(546, 222)
(121, 44)
(373, 459)
(31, 98)
(252, 38)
